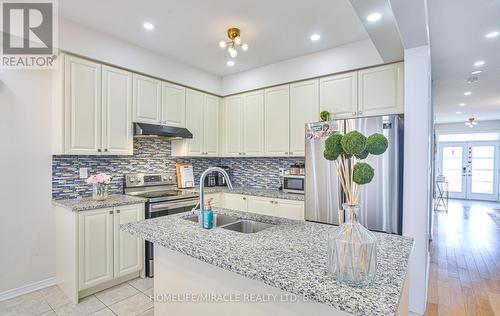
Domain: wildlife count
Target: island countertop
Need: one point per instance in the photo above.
(84, 204)
(291, 256)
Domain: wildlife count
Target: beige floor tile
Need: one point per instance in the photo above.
(103, 312)
(55, 296)
(49, 313)
(149, 312)
(133, 305)
(116, 294)
(86, 306)
(149, 292)
(142, 284)
(28, 304)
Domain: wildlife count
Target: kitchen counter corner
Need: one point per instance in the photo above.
(84, 204)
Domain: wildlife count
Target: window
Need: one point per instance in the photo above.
(468, 137)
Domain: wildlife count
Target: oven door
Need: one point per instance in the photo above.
(294, 184)
(159, 209)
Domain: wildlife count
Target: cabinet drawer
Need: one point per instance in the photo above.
(235, 202)
(261, 205)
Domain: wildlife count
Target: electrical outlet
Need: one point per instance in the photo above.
(84, 173)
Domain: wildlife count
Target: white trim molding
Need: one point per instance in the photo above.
(28, 288)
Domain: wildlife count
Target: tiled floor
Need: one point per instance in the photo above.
(129, 298)
(465, 260)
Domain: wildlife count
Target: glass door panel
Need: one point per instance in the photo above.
(483, 171)
(452, 164)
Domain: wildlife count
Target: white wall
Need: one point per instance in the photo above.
(81, 40)
(417, 170)
(27, 228)
(347, 57)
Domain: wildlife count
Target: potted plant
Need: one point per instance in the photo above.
(100, 183)
(352, 248)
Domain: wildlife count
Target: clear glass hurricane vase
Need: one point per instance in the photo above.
(352, 251)
(100, 191)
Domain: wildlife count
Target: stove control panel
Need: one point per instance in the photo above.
(148, 179)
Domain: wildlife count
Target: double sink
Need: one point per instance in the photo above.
(245, 226)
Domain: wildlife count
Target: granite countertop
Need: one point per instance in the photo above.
(269, 193)
(85, 204)
(290, 256)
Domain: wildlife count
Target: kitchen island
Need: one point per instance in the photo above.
(279, 270)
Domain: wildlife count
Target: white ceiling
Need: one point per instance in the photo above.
(190, 30)
(457, 34)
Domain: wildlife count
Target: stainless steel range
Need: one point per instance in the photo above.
(163, 198)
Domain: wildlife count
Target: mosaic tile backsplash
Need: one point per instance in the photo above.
(153, 156)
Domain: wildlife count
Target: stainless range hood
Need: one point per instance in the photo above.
(143, 129)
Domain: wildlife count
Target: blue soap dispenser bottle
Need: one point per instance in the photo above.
(208, 215)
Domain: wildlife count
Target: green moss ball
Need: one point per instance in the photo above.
(376, 144)
(333, 147)
(362, 173)
(324, 116)
(353, 142)
(362, 155)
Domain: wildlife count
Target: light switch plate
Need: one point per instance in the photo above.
(84, 173)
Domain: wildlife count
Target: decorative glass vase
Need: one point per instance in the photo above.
(100, 191)
(352, 251)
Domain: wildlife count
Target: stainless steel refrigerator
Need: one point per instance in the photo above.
(381, 200)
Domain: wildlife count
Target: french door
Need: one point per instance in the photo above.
(470, 168)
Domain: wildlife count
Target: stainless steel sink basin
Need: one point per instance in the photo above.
(247, 226)
(221, 219)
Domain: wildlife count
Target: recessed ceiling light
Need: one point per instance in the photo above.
(374, 17)
(479, 63)
(230, 63)
(458, 112)
(315, 37)
(149, 26)
(462, 104)
(477, 72)
(467, 93)
(492, 34)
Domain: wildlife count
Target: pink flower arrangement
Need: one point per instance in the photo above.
(100, 178)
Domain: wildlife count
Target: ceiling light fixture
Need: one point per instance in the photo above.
(315, 37)
(458, 112)
(471, 122)
(477, 72)
(374, 17)
(467, 93)
(230, 63)
(149, 26)
(234, 42)
(479, 63)
(492, 34)
(462, 104)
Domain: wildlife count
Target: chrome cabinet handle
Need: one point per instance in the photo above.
(117, 211)
(360, 112)
(244, 198)
(111, 212)
(99, 150)
(105, 149)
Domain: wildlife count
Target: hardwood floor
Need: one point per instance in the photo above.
(465, 260)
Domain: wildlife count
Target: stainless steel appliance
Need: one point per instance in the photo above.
(381, 200)
(221, 179)
(163, 198)
(294, 183)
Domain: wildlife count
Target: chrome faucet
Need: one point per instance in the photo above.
(201, 203)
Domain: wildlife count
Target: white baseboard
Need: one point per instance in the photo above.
(27, 288)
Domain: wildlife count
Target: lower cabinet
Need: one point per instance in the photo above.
(92, 253)
(235, 202)
(266, 206)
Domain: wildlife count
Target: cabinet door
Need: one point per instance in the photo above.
(117, 135)
(339, 95)
(95, 247)
(233, 130)
(304, 108)
(381, 90)
(82, 98)
(217, 199)
(194, 122)
(235, 202)
(211, 126)
(277, 120)
(128, 250)
(173, 105)
(253, 123)
(290, 209)
(260, 205)
(147, 99)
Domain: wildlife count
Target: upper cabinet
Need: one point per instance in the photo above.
(381, 90)
(339, 95)
(194, 122)
(211, 125)
(147, 99)
(277, 120)
(304, 108)
(173, 105)
(233, 133)
(253, 123)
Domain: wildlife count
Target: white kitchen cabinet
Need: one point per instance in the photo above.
(277, 121)
(260, 205)
(194, 122)
(117, 134)
(381, 90)
(128, 251)
(211, 126)
(339, 95)
(289, 209)
(147, 99)
(233, 139)
(217, 199)
(304, 108)
(253, 123)
(82, 107)
(173, 105)
(235, 202)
